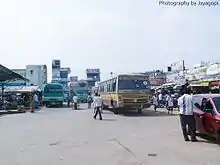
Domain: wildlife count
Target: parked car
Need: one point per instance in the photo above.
(207, 114)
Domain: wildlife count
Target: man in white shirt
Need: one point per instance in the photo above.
(97, 102)
(36, 101)
(75, 102)
(185, 103)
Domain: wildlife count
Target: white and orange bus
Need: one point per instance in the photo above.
(125, 92)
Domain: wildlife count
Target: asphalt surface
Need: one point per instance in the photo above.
(61, 136)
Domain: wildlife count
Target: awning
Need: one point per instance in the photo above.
(22, 89)
(8, 75)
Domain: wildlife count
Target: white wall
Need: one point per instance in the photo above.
(36, 75)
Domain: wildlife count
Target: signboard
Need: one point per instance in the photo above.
(73, 78)
(213, 69)
(154, 81)
(65, 69)
(56, 64)
(176, 78)
(205, 72)
(177, 66)
(92, 70)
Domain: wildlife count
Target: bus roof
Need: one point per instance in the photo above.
(128, 74)
(52, 84)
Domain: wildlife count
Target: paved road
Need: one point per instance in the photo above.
(62, 136)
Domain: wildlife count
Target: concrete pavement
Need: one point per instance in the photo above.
(61, 136)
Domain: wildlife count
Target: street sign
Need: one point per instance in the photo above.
(92, 70)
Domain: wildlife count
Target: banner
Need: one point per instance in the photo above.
(92, 70)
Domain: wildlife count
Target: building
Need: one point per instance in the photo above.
(93, 76)
(37, 75)
(56, 65)
(64, 72)
(60, 74)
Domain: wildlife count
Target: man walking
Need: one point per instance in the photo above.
(185, 104)
(97, 102)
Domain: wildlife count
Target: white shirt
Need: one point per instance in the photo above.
(75, 99)
(160, 96)
(155, 102)
(97, 101)
(35, 98)
(188, 101)
(170, 101)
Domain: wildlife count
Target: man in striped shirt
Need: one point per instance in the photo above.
(185, 103)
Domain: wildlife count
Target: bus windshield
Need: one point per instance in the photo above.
(82, 92)
(133, 84)
(53, 89)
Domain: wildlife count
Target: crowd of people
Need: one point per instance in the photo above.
(165, 100)
(183, 101)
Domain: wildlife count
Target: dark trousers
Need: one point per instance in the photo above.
(89, 104)
(155, 107)
(97, 111)
(188, 120)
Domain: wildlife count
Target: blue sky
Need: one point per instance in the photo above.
(115, 36)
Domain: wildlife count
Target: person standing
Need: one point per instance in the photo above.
(89, 100)
(155, 102)
(160, 96)
(97, 102)
(36, 101)
(75, 102)
(185, 103)
(170, 104)
(32, 103)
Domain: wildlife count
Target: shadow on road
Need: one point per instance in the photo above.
(109, 119)
(147, 113)
(207, 139)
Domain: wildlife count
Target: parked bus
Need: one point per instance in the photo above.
(53, 94)
(82, 94)
(126, 92)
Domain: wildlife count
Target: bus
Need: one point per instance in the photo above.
(53, 94)
(126, 92)
(82, 94)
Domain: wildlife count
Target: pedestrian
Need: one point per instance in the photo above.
(36, 101)
(89, 100)
(185, 103)
(170, 104)
(155, 102)
(97, 102)
(75, 102)
(160, 96)
(32, 103)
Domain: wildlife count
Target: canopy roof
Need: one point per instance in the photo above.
(8, 75)
(22, 89)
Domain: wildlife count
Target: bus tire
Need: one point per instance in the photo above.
(218, 138)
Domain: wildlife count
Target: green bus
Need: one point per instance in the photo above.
(82, 94)
(53, 94)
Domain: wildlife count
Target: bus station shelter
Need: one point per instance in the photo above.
(7, 75)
